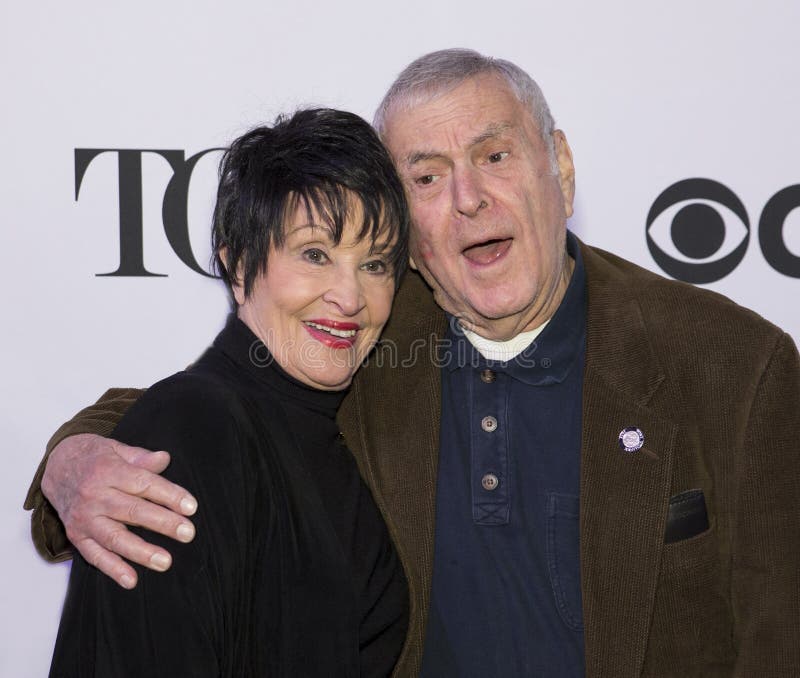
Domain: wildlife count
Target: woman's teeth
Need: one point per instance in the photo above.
(344, 334)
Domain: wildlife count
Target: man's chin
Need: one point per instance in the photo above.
(487, 320)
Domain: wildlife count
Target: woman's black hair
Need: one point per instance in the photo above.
(317, 158)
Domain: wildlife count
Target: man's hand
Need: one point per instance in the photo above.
(98, 485)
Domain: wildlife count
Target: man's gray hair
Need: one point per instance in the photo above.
(439, 72)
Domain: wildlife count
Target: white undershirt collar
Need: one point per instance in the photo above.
(503, 350)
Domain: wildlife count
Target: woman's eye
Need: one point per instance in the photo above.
(315, 256)
(497, 157)
(376, 266)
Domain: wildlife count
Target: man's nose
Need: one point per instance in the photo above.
(468, 193)
(346, 292)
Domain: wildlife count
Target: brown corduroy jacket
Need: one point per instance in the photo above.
(716, 391)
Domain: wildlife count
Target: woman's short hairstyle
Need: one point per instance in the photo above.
(320, 159)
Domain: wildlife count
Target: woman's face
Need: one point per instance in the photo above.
(320, 307)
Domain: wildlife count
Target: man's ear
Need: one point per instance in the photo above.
(237, 284)
(566, 169)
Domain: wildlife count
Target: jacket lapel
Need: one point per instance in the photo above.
(397, 443)
(624, 495)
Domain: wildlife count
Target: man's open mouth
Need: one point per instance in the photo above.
(487, 251)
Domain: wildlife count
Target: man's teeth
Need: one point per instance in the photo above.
(344, 334)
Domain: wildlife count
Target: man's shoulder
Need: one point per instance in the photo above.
(666, 301)
(694, 334)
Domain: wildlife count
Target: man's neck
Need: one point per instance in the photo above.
(503, 329)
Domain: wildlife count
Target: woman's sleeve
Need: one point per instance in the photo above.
(172, 623)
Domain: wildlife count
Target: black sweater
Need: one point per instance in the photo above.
(292, 572)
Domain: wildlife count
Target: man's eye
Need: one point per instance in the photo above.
(375, 266)
(315, 255)
(497, 157)
(426, 179)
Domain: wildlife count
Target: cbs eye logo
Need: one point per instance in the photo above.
(698, 231)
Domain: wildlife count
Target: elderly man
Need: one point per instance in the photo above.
(587, 469)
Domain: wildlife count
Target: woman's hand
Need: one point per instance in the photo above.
(98, 486)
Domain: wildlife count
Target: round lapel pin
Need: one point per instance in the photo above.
(631, 439)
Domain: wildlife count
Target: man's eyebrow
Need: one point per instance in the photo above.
(422, 156)
(493, 131)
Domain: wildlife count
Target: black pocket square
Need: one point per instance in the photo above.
(687, 516)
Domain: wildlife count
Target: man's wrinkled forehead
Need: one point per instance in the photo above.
(471, 96)
(414, 139)
(492, 131)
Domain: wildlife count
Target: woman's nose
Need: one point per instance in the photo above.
(346, 292)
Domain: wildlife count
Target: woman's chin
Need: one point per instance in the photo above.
(328, 381)
(325, 375)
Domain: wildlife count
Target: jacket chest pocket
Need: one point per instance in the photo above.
(563, 557)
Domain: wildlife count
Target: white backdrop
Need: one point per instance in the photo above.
(648, 93)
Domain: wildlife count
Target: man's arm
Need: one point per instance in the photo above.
(766, 544)
(87, 488)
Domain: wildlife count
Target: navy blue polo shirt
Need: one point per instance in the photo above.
(506, 594)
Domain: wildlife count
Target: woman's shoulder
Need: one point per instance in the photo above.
(190, 392)
(198, 407)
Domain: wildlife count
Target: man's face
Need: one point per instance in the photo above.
(489, 210)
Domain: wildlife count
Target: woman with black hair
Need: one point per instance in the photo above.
(292, 572)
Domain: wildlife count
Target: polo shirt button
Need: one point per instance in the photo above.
(487, 376)
(489, 424)
(490, 482)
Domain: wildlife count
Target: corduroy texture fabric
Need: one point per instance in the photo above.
(716, 391)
